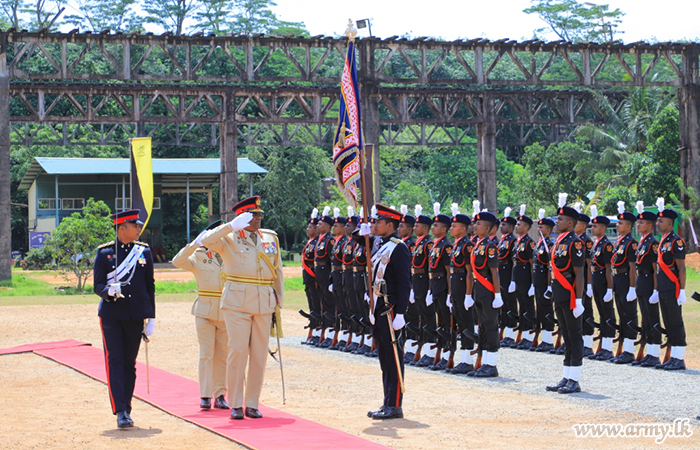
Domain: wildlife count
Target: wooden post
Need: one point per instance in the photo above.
(486, 155)
(5, 193)
(228, 151)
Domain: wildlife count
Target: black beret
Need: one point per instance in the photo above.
(669, 214)
(442, 218)
(568, 212)
(547, 222)
(462, 218)
(627, 216)
(510, 220)
(486, 216)
(408, 220)
(584, 218)
(601, 219)
(424, 220)
(525, 219)
(647, 215)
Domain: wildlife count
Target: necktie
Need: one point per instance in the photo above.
(254, 237)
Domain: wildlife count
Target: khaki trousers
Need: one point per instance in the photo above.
(213, 348)
(248, 338)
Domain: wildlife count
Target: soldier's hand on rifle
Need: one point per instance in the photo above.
(632, 294)
(589, 290)
(531, 291)
(681, 297)
(449, 302)
(654, 299)
(365, 229)
(608, 295)
(468, 301)
(578, 310)
(511, 286)
(429, 299)
(241, 221)
(497, 301)
(548, 293)
(150, 324)
(412, 297)
(398, 322)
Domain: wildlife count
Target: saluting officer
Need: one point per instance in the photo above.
(123, 277)
(602, 284)
(322, 269)
(405, 232)
(439, 267)
(509, 313)
(309, 279)
(541, 281)
(420, 283)
(522, 280)
(486, 292)
(647, 294)
(670, 276)
(625, 282)
(206, 264)
(588, 328)
(567, 290)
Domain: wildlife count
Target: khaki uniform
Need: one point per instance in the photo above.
(253, 271)
(211, 328)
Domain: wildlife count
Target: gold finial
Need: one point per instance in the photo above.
(351, 32)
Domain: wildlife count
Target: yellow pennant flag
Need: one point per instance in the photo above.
(142, 178)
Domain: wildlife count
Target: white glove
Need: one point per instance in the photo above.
(241, 221)
(371, 319)
(654, 299)
(367, 298)
(198, 239)
(548, 293)
(398, 322)
(365, 229)
(468, 302)
(429, 299)
(150, 324)
(511, 286)
(115, 289)
(608, 296)
(531, 291)
(681, 297)
(330, 287)
(411, 297)
(632, 294)
(589, 290)
(449, 302)
(578, 310)
(497, 301)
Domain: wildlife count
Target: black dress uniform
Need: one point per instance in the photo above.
(460, 262)
(540, 281)
(348, 256)
(122, 319)
(522, 276)
(322, 269)
(359, 273)
(509, 311)
(624, 252)
(601, 257)
(412, 314)
(421, 285)
(438, 267)
(646, 258)
(337, 277)
(310, 286)
(588, 327)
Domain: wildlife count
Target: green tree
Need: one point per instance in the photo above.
(99, 15)
(11, 14)
(74, 241)
(574, 21)
(171, 15)
(43, 13)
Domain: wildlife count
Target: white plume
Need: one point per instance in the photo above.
(577, 207)
(523, 207)
(362, 211)
(660, 204)
(351, 211)
(404, 209)
(620, 207)
(540, 213)
(326, 210)
(640, 207)
(314, 213)
(418, 210)
(594, 211)
(455, 209)
(436, 208)
(336, 212)
(374, 210)
(562, 199)
(392, 207)
(476, 204)
(506, 212)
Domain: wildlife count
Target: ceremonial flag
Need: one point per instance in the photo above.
(348, 137)
(142, 178)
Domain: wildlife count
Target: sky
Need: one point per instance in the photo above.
(644, 20)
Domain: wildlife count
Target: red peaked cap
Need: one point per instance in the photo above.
(384, 212)
(251, 204)
(131, 215)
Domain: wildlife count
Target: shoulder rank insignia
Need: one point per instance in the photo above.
(106, 244)
(634, 246)
(141, 243)
(396, 240)
(578, 245)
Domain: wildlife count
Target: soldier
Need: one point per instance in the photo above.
(359, 268)
(346, 257)
(309, 279)
(391, 270)
(567, 291)
(254, 288)
(322, 269)
(647, 294)
(123, 277)
(438, 269)
(588, 328)
(461, 286)
(336, 287)
(405, 232)
(625, 282)
(521, 282)
(601, 282)
(205, 264)
(420, 283)
(670, 277)
(509, 313)
(486, 292)
(541, 282)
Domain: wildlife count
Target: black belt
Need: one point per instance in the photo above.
(644, 272)
(539, 267)
(417, 271)
(359, 269)
(457, 269)
(620, 272)
(598, 271)
(320, 263)
(435, 275)
(336, 268)
(522, 265)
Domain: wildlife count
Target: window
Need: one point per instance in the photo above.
(47, 203)
(118, 203)
(156, 202)
(72, 203)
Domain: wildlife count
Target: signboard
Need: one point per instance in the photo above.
(37, 239)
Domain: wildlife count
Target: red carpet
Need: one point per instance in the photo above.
(179, 396)
(41, 346)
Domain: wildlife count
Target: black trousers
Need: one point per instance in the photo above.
(650, 313)
(360, 283)
(387, 361)
(488, 319)
(413, 318)
(526, 304)
(606, 310)
(312, 298)
(571, 328)
(545, 308)
(339, 296)
(353, 307)
(588, 329)
(438, 287)
(323, 278)
(421, 284)
(673, 318)
(510, 304)
(121, 340)
(626, 311)
(464, 318)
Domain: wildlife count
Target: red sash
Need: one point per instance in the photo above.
(480, 278)
(561, 278)
(666, 268)
(307, 269)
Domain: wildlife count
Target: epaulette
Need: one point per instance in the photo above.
(266, 230)
(141, 243)
(396, 240)
(106, 244)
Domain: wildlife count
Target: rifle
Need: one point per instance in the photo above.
(453, 342)
(642, 344)
(421, 340)
(599, 338)
(337, 328)
(665, 345)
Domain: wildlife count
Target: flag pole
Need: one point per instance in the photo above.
(368, 249)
